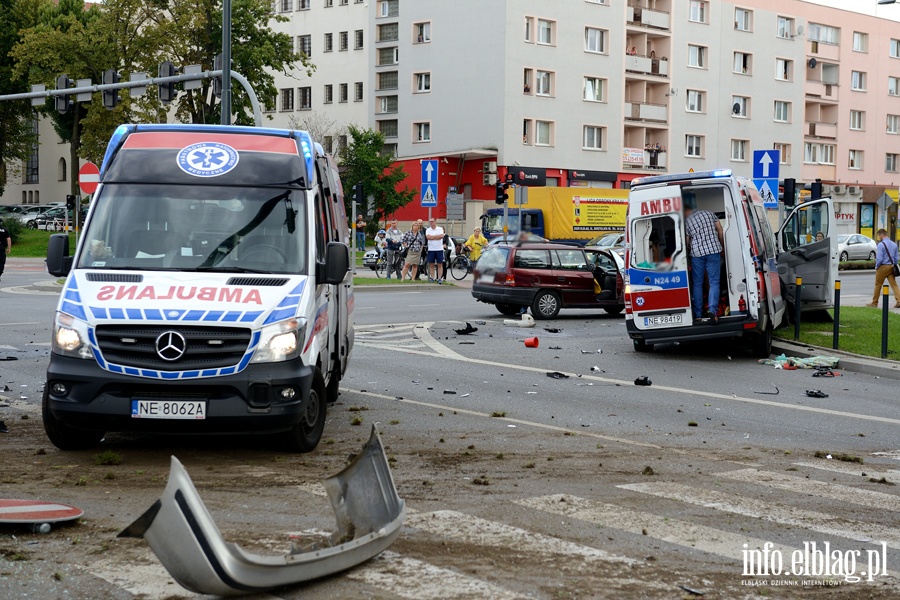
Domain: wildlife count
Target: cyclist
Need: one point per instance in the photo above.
(380, 243)
(476, 243)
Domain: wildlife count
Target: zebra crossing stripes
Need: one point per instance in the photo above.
(389, 337)
(768, 511)
(850, 469)
(821, 489)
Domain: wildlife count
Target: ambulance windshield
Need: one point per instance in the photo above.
(197, 228)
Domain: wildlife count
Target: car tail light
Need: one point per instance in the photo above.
(510, 279)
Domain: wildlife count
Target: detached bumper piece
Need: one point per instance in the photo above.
(187, 542)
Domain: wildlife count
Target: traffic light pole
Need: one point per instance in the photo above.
(38, 91)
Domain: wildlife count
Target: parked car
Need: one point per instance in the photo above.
(548, 277)
(609, 241)
(30, 211)
(856, 247)
(54, 216)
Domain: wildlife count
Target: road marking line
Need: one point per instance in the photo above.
(673, 531)
(22, 323)
(395, 345)
(846, 469)
(481, 532)
(381, 335)
(22, 289)
(801, 485)
(406, 577)
(758, 509)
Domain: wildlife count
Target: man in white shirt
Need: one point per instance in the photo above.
(435, 257)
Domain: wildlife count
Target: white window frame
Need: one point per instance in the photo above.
(743, 19)
(892, 124)
(695, 101)
(698, 11)
(422, 132)
(543, 83)
(423, 29)
(860, 41)
(597, 132)
(785, 28)
(548, 129)
(693, 146)
(743, 63)
(894, 49)
(893, 86)
(810, 153)
(890, 162)
(422, 82)
(858, 81)
(597, 84)
(529, 30)
(739, 150)
(857, 120)
(548, 27)
(784, 66)
(855, 160)
(826, 154)
(785, 108)
(744, 103)
(698, 52)
(595, 40)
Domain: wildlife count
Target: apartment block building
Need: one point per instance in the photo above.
(594, 93)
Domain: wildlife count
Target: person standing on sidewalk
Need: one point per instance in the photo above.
(414, 241)
(706, 242)
(360, 234)
(394, 238)
(5, 246)
(435, 237)
(885, 259)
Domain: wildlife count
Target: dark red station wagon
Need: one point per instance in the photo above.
(548, 277)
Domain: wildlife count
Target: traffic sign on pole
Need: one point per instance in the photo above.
(429, 193)
(88, 178)
(766, 163)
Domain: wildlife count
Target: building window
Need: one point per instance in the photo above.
(61, 170)
(784, 69)
(358, 91)
(826, 154)
(810, 153)
(857, 122)
(423, 132)
(695, 101)
(527, 85)
(893, 124)
(304, 4)
(784, 151)
(305, 98)
(782, 111)
(329, 3)
(422, 33)
(594, 89)
(287, 99)
(304, 44)
(423, 83)
(860, 42)
(32, 165)
(329, 42)
(824, 34)
(358, 39)
(856, 160)
(388, 56)
(387, 104)
(389, 32)
(546, 31)
(740, 106)
(893, 86)
(329, 93)
(543, 133)
(743, 63)
(693, 146)
(785, 28)
(388, 128)
(544, 83)
(895, 48)
(388, 8)
(890, 163)
(858, 81)
(696, 56)
(527, 138)
(387, 80)
(341, 142)
(344, 37)
(743, 19)
(285, 5)
(529, 29)
(344, 2)
(342, 92)
(592, 138)
(739, 150)
(698, 11)
(594, 40)
(328, 143)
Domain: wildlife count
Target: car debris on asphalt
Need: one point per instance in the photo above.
(643, 380)
(557, 375)
(466, 330)
(816, 394)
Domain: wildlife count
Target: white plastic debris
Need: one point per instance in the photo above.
(513, 426)
(828, 456)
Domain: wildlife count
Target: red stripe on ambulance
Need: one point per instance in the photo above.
(240, 142)
(679, 298)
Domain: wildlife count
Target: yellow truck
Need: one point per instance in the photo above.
(561, 214)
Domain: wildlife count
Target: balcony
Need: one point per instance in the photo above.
(645, 65)
(645, 17)
(821, 130)
(640, 158)
(821, 50)
(642, 111)
(821, 89)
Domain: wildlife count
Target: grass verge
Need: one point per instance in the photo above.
(859, 332)
(32, 243)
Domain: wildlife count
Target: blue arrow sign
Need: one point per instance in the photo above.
(766, 163)
(429, 193)
(768, 191)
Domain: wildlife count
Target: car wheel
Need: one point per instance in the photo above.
(762, 343)
(871, 255)
(642, 346)
(63, 436)
(508, 309)
(844, 257)
(31, 225)
(305, 435)
(614, 310)
(545, 305)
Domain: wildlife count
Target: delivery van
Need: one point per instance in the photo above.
(758, 269)
(210, 291)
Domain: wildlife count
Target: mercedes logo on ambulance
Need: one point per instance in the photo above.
(170, 345)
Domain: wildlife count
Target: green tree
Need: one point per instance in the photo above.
(16, 117)
(363, 161)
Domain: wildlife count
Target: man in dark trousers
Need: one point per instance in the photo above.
(5, 246)
(705, 240)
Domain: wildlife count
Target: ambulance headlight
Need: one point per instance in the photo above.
(281, 341)
(70, 337)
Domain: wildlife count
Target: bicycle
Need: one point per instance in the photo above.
(461, 265)
(381, 266)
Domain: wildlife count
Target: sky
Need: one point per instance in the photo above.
(869, 7)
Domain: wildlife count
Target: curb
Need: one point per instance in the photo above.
(848, 362)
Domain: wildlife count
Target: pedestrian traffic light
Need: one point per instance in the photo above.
(217, 81)
(166, 90)
(62, 102)
(502, 196)
(70, 202)
(110, 97)
(790, 192)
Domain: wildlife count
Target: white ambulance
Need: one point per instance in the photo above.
(758, 269)
(210, 292)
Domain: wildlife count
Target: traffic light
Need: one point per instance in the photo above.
(110, 97)
(166, 90)
(358, 193)
(815, 189)
(502, 196)
(70, 202)
(790, 192)
(217, 81)
(62, 102)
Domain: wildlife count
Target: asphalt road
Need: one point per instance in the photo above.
(520, 484)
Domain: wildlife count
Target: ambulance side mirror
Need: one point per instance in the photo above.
(337, 263)
(59, 263)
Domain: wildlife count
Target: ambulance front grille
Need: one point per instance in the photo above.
(204, 347)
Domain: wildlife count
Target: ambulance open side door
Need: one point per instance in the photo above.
(801, 254)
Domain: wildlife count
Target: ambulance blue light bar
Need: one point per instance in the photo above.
(681, 177)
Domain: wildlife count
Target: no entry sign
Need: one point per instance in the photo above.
(88, 178)
(36, 511)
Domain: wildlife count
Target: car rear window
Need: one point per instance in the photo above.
(532, 259)
(494, 258)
